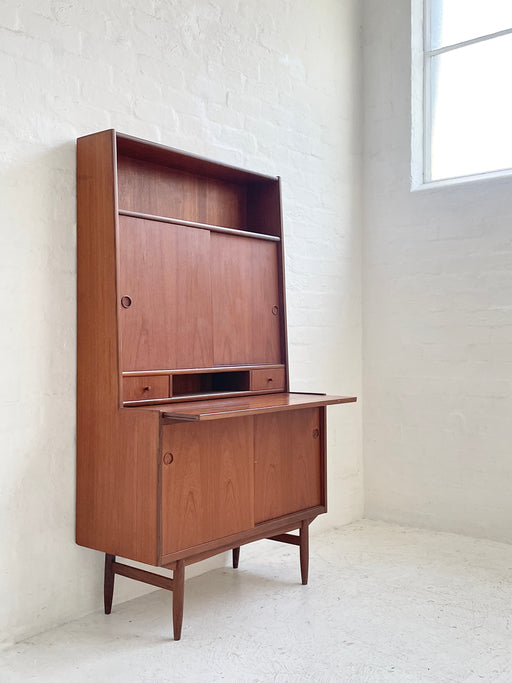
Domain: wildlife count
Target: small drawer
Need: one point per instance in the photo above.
(145, 388)
(267, 379)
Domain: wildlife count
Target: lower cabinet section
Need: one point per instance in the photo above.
(222, 477)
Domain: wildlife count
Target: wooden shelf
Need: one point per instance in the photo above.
(182, 398)
(202, 226)
(191, 371)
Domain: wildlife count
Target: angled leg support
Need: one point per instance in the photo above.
(176, 585)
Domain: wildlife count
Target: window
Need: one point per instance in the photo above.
(466, 94)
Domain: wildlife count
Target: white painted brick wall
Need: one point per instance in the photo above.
(272, 85)
(437, 319)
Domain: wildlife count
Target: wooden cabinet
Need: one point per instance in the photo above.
(189, 442)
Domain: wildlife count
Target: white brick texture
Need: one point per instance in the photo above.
(272, 85)
(437, 319)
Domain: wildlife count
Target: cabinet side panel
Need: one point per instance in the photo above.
(282, 291)
(97, 363)
(117, 484)
(264, 208)
(116, 450)
(288, 472)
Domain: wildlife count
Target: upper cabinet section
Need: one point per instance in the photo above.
(193, 250)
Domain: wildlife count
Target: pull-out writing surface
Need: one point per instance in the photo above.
(248, 405)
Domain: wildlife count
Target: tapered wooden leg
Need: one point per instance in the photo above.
(304, 551)
(236, 557)
(108, 586)
(178, 595)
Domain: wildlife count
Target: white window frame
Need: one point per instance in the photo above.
(421, 118)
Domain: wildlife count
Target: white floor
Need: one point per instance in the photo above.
(384, 603)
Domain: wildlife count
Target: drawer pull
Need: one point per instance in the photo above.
(316, 433)
(126, 301)
(168, 458)
(275, 310)
(148, 388)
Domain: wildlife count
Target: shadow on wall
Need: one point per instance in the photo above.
(46, 576)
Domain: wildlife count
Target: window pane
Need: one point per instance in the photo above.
(453, 21)
(471, 103)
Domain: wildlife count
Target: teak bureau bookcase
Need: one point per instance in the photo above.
(189, 442)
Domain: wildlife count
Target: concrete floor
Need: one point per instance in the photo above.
(384, 603)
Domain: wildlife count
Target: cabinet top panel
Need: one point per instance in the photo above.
(248, 405)
(145, 150)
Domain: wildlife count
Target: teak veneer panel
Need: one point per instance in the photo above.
(288, 464)
(207, 482)
(152, 188)
(116, 451)
(246, 300)
(164, 269)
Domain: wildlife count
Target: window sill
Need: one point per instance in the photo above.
(461, 180)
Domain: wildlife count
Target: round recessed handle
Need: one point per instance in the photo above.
(275, 310)
(126, 301)
(316, 433)
(269, 379)
(168, 458)
(148, 388)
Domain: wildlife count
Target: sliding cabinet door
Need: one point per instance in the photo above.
(288, 469)
(165, 308)
(246, 315)
(207, 482)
